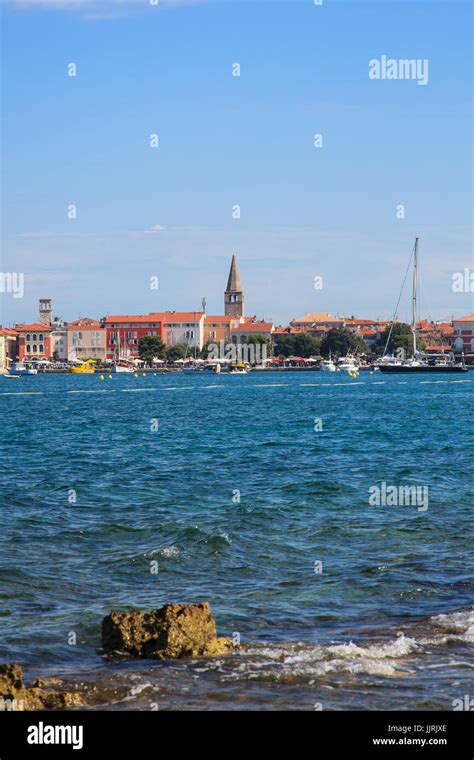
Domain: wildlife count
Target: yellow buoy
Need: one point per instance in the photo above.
(110, 377)
(135, 374)
(101, 377)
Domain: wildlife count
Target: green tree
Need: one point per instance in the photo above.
(150, 347)
(255, 340)
(339, 342)
(283, 345)
(178, 351)
(401, 337)
(301, 344)
(305, 345)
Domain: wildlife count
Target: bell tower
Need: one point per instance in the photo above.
(45, 309)
(234, 295)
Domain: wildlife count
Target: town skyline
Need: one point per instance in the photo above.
(21, 306)
(117, 337)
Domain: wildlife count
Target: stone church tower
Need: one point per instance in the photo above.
(234, 295)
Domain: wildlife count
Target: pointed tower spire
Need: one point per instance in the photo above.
(234, 295)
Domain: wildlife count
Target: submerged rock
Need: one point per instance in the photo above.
(14, 695)
(173, 631)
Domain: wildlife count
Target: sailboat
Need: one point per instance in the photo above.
(419, 362)
(120, 364)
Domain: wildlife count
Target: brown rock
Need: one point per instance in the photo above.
(173, 631)
(11, 679)
(45, 683)
(16, 696)
(39, 699)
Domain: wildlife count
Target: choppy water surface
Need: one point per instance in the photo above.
(237, 496)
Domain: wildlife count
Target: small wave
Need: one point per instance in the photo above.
(460, 623)
(168, 552)
(218, 538)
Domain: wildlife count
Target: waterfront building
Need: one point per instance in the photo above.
(435, 333)
(85, 340)
(464, 334)
(244, 330)
(59, 340)
(218, 328)
(8, 348)
(184, 327)
(317, 320)
(34, 342)
(234, 294)
(123, 333)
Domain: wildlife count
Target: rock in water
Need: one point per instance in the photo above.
(175, 630)
(14, 695)
(11, 680)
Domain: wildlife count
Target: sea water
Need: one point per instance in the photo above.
(251, 492)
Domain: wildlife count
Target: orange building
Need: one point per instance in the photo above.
(218, 328)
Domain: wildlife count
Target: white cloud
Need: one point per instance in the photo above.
(155, 228)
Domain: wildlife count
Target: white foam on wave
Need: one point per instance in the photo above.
(291, 662)
(94, 391)
(22, 393)
(184, 388)
(168, 552)
(400, 647)
(138, 390)
(394, 657)
(459, 623)
(271, 385)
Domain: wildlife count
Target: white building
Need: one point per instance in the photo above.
(184, 327)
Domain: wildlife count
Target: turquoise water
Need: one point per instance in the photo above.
(237, 496)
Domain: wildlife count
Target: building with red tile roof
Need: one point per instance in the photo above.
(123, 332)
(320, 319)
(8, 347)
(464, 334)
(86, 339)
(34, 342)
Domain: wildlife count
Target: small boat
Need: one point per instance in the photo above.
(239, 369)
(327, 365)
(348, 364)
(418, 362)
(11, 377)
(120, 368)
(19, 369)
(85, 368)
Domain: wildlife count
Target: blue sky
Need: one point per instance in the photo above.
(225, 140)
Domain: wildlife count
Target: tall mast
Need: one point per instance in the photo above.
(415, 284)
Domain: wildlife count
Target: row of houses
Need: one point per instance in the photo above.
(457, 336)
(117, 336)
